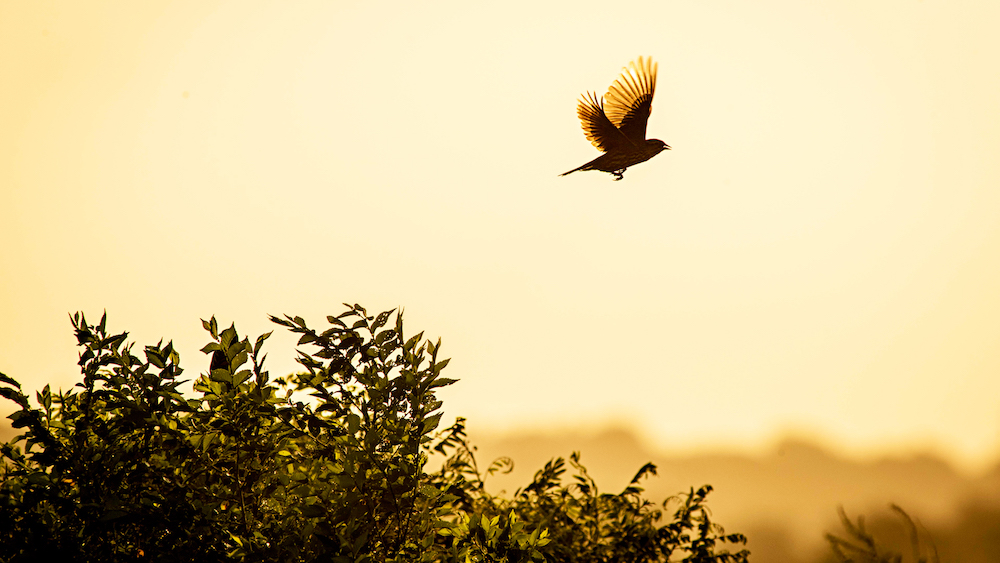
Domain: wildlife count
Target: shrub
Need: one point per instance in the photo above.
(862, 546)
(328, 464)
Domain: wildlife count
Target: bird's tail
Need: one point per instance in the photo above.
(584, 167)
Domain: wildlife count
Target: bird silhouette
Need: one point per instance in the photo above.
(620, 132)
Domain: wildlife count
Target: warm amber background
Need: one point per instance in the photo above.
(816, 256)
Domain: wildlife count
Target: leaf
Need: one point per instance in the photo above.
(228, 336)
(353, 423)
(153, 358)
(328, 406)
(221, 375)
(45, 397)
(260, 341)
(242, 376)
(412, 342)
(385, 335)
(112, 515)
(431, 423)
(312, 510)
(382, 318)
(20, 419)
(38, 478)
(441, 382)
(113, 342)
(649, 468)
(13, 395)
(240, 359)
(6, 379)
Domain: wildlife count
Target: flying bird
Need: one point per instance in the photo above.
(620, 130)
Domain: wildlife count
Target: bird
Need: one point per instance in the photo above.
(620, 131)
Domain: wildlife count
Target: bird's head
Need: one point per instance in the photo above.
(657, 144)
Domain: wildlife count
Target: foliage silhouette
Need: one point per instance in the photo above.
(328, 464)
(863, 547)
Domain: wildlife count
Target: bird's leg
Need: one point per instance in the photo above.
(618, 174)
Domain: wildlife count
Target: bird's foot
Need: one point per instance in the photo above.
(618, 174)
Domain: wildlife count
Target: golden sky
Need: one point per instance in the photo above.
(818, 254)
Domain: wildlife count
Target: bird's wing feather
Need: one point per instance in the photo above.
(596, 125)
(630, 99)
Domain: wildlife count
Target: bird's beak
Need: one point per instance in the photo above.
(666, 147)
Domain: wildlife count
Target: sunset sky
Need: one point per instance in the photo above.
(818, 255)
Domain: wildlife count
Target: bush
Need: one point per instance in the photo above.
(862, 546)
(329, 464)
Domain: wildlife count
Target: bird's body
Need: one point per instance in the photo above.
(620, 132)
(613, 162)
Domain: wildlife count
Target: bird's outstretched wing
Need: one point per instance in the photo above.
(596, 125)
(630, 99)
